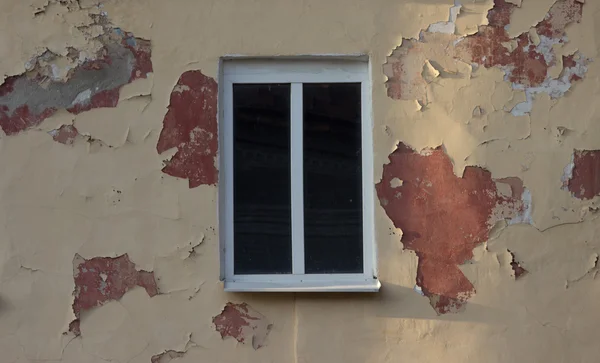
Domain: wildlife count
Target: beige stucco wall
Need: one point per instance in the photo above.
(101, 192)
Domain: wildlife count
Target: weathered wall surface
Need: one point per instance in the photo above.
(487, 134)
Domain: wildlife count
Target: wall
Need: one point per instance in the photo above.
(487, 136)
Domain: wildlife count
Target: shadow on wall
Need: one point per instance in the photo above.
(395, 323)
(392, 296)
(392, 301)
(3, 305)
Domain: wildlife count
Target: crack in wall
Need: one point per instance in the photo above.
(167, 356)
(591, 272)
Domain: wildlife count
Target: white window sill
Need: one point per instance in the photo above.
(304, 286)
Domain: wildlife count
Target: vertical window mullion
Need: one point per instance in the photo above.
(297, 179)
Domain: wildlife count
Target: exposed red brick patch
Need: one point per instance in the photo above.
(241, 322)
(8, 86)
(499, 15)
(442, 218)
(569, 61)
(141, 50)
(166, 357)
(102, 279)
(585, 180)
(518, 270)
(190, 125)
(489, 46)
(21, 118)
(561, 14)
(574, 67)
(103, 99)
(66, 134)
(528, 66)
(523, 64)
(28, 99)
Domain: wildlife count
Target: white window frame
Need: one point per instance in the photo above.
(295, 70)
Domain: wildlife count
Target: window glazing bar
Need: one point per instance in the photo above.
(297, 176)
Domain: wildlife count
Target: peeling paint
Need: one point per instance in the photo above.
(526, 60)
(28, 99)
(568, 173)
(42, 6)
(519, 211)
(448, 27)
(102, 279)
(190, 125)
(444, 217)
(243, 323)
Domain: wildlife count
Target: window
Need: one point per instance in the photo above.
(296, 180)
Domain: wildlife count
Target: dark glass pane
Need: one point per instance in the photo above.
(261, 187)
(332, 178)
